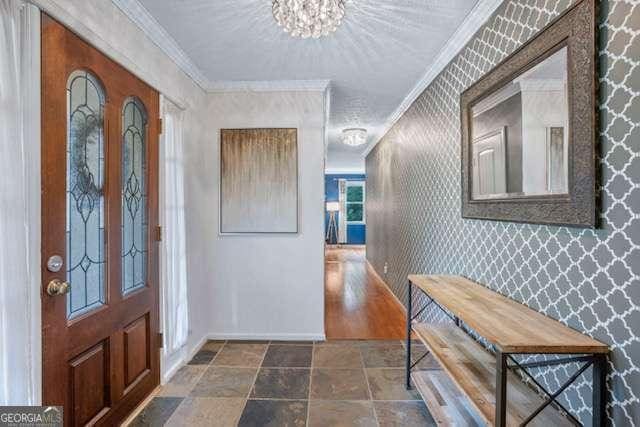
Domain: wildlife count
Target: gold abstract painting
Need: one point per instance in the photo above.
(258, 181)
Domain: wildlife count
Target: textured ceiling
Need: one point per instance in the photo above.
(375, 58)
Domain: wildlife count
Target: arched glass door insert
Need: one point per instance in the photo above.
(86, 261)
(134, 195)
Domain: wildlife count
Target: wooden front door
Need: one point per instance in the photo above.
(99, 228)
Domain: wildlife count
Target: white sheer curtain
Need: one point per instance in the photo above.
(174, 262)
(20, 354)
(342, 198)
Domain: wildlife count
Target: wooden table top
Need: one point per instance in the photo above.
(512, 327)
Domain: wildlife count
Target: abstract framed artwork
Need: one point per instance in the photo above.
(258, 181)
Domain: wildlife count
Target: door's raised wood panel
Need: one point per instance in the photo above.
(90, 384)
(136, 351)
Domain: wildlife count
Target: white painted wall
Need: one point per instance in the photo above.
(260, 286)
(341, 160)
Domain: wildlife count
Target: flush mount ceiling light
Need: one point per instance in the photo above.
(308, 18)
(354, 136)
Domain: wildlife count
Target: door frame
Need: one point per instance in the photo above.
(29, 347)
(118, 307)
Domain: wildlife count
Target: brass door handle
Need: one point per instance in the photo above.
(57, 287)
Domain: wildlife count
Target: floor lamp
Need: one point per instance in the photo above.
(332, 228)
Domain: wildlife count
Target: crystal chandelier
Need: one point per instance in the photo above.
(308, 18)
(354, 136)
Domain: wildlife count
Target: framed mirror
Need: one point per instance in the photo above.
(529, 129)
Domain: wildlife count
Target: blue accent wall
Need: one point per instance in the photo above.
(356, 233)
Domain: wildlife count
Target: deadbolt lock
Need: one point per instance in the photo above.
(57, 287)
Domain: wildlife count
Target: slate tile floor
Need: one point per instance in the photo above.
(330, 383)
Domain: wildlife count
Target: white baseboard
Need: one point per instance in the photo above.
(170, 372)
(192, 352)
(187, 355)
(266, 337)
(388, 287)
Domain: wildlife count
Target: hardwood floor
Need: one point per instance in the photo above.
(358, 305)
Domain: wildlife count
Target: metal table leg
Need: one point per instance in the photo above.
(599, 390)
(501, 389)
(408, 361)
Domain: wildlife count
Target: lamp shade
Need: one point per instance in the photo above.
(333, 206)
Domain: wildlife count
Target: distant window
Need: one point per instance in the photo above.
(355, 202)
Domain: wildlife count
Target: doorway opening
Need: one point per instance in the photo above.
(358, 304)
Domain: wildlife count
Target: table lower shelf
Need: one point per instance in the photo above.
(473, 370)
(447, 405)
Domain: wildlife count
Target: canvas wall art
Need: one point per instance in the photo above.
(259, 181)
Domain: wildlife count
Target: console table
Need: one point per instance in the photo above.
(488, 380)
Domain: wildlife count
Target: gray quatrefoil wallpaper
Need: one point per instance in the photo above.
(588, 279)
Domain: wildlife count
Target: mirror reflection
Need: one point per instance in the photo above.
(519, 134)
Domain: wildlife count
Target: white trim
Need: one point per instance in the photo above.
(325, 123)
(388, 288)
(170, 372)
(338, 171)
(34, 210)
(139, 15)
(222, 86)
(186, 356)
(471, 24)
(165, 372)
(169, 362)
(20, 283)
(266, 337)
(162, 284)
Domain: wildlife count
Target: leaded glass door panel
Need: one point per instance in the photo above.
(99, 204)
(134, 195)
(85, 251)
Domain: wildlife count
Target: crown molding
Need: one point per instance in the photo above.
(268, 86)
(478, 16)
(139, 15)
